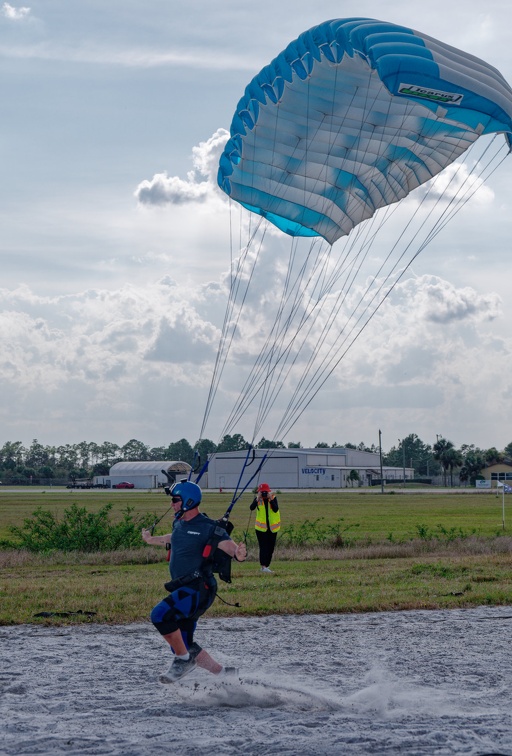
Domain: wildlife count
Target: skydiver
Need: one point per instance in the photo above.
(193, 587)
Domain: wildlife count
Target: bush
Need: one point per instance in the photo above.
(315, 532)
(80, 530)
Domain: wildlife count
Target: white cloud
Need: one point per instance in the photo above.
(441, 302)
(163, 189)
(14, 14)
(200, 184)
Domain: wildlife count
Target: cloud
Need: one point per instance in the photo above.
(14, 14)
(201, 182)
(439, 301)
(163, 189)
(116, 358)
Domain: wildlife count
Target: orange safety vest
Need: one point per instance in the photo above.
(274, 518)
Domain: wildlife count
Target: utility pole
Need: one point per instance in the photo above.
(380, 455)
(403, 461)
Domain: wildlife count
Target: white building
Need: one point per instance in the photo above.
(300, 468)
(144, 474)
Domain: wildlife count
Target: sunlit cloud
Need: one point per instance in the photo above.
(200, 183)
(14, 14)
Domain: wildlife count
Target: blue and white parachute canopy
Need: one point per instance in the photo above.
(351, 117)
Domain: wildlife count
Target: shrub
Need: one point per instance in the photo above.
(80, 530)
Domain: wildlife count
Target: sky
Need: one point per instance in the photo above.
(115, 247)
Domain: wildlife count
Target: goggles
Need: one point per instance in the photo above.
(176, 499)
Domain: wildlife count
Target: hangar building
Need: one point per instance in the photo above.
(301, 468)
(144, 474)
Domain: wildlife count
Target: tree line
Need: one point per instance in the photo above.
(38, 463)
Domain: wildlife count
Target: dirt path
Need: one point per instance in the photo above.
(410, 682)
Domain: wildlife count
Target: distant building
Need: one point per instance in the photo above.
(499, 472)
(301, 468)
(144, 474)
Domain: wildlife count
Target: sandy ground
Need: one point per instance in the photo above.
(389, 683)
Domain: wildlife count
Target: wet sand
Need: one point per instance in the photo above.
(436, 682)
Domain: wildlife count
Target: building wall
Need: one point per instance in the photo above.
(296, 468)
(501, 472)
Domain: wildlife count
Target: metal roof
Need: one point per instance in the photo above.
(149, 467)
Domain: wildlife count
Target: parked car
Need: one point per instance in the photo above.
(124, 484)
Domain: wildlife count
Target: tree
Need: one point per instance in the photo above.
(232, 443)
(442, 452)
(158, 452)
(472, 465)
(204, 447)
(508, 449)
(135, 450)
(36, 455)
(180, 451)
(266, 444)
(417, 454)
(493, 456)
(45, 471)
(453, 459)
(353, 476)
(101, 468)
(294, 445)
(68, 457)
(322, 445)
(11, 454)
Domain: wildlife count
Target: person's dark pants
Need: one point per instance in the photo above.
(267, 543)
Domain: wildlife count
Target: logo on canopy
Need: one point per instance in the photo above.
(436, 95)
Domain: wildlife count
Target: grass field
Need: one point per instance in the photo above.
(402, 551)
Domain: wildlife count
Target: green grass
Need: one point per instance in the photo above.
(404, 551)
(376, 516)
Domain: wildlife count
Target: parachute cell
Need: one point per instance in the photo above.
(351, 117)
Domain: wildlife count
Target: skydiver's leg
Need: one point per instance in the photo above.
(178, 631)
(176, 642)
(207, 662)
(203, 659)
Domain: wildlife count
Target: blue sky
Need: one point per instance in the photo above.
(110, 307)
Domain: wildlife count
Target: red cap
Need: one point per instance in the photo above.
(264, 487)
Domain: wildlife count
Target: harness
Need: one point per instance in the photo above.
(214, 560)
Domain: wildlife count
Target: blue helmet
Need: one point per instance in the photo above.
(190, 493)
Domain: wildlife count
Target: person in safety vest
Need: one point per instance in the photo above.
(193, 586)
(268, 522)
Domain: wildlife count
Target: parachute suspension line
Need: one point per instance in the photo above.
(284, 332)
(229, 328)
(279, 352)
(360, 147)
(253, 383)
(288, 422)
(323, 289)
(313, 391)
(239, 491)
(483, 176)
(274, 346)
(265, 394)
(335, 311)
(268, 358)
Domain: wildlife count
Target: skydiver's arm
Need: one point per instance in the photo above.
(236, 550)
(153, 540)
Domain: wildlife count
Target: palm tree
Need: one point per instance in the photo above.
(474, 463)
(453, 459)
(442, 449)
